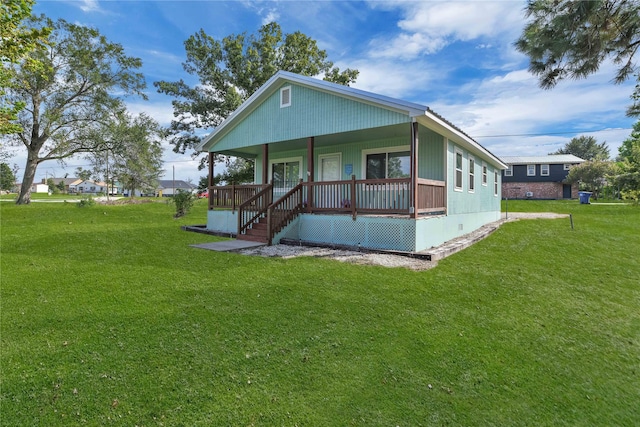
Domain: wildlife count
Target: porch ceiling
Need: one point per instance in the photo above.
(371, 134)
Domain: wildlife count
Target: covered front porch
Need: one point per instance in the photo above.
(391, 179)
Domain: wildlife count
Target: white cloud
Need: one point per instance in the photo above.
(428, 27)
(509, 114)
(389, 78)
(88, 5)
(271, 16)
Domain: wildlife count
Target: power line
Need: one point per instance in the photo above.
(552, 133)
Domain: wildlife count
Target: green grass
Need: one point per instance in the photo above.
(108, 317)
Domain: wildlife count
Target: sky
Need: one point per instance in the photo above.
(456, 57)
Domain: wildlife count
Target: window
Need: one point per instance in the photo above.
(389, 164)
(472, 174)
(484, 174)
(495, 183)
(567, 167)
(531, 170)
(285, 173)
(458, 177)
(508, 171)
(285, 97)
(544, 170)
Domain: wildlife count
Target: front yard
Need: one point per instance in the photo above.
(108, 317)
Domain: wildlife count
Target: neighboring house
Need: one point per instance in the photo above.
(68, 182)
(169, 187)
(39, 188)
(337, 165)
(539, 177)
(87, 187)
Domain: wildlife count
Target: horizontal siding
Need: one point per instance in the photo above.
(312, 113)
(556, 174)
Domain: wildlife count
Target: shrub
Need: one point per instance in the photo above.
(86, 201)
(184, 202)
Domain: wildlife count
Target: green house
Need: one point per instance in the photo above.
(340, 166)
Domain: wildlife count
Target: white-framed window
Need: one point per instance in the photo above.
(544, 170)
(531, 170)
(472, 174)
(285, 97)
(391, 162)
(567, 166)
(508, 171)
(484, 174)
(495, 183)
(285, 173)
(457, 181)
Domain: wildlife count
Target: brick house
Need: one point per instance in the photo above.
(539, 177)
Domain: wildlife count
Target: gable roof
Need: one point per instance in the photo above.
(177, 184)
(416, 112)
(550, 159)
(67, 181)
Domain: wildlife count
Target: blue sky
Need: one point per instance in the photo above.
(456, 57)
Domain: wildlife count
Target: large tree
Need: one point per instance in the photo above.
(130, 151)
(628, 179)
(571, 39)
(16, 41)
(592, 175)
(231, 69)
(585, 147)
(626, 148)
(71, 95)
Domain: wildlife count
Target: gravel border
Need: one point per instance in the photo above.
(386, 260)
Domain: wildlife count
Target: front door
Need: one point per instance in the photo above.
(330, 165)
(566, 191)
(330, 196)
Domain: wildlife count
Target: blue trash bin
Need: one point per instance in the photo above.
(584, 197)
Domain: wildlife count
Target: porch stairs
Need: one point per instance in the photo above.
(258, 230)
(263, 226)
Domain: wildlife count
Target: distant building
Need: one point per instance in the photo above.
(169, 187)
(539, 177)
(67, 182)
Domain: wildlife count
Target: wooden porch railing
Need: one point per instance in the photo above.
(231, 196)
(254, 208)
(381, 196)
(284, 210)
(431, 196)
(377, 196)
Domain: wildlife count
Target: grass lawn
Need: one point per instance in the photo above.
(108, 317)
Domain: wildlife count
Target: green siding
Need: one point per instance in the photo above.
(483, 198)
(430, 155)
(431, 163)
(312, 113)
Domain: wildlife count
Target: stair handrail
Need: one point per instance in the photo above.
(274, 225)
(244, 224)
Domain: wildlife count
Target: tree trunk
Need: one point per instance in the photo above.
(27, 180)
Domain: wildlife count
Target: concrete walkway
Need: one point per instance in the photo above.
(228, 245)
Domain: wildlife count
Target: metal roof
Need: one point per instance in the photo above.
(179, 184)
(549, 159)
(418, 112)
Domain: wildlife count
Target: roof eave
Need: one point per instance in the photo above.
(454, 134)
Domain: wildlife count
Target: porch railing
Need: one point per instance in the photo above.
(281, 212)
(431, 196)
(382, 196)
(366, 196)
(231, 196)
(254, 208)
